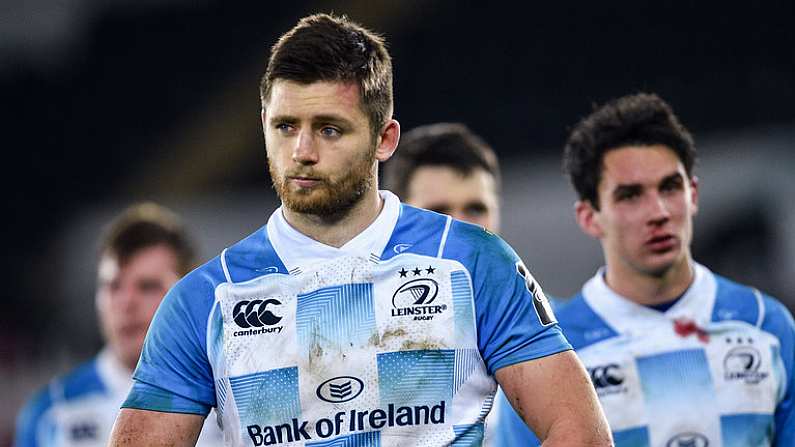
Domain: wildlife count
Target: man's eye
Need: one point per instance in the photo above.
(673, 185)
(475, 209)
(330, 132)
(283, 127)
(626, 195)
(150, 286)
(442, 209)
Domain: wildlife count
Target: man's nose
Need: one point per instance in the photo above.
(125, 299)
(304, 151)
(659, 213)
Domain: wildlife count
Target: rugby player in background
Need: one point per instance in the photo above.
(679, 355)
(445, 167)
(144, 251)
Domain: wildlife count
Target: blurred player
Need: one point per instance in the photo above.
(446, 168)
(351, 319)
(679, 356)
(144, 252)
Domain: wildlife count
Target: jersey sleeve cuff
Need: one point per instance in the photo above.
(549, 342)
(144, 396)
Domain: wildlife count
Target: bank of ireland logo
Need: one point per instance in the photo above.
(688, 440)
(742, 363)
(340, 389)
(257, 316)
(540, 301)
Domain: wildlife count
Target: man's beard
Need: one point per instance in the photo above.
(329, 198)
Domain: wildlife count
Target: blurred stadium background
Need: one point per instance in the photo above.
(114, 101)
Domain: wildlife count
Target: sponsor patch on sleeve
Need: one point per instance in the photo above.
(540, 301)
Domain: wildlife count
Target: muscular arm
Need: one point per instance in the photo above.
(155, 429)
(557, 401)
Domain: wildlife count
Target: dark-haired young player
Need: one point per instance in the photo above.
(679, 356)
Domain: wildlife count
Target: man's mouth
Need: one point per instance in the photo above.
(304, 182)
(132, 330)
(661, 243)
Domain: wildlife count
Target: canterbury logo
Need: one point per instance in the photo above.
(255, 313)
(606, 375)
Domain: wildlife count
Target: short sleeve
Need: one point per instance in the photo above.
(174, 373)
(150, 397)
(514, 319)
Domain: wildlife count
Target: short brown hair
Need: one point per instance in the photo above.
(146, 225)
(323, 47)
(450, 145)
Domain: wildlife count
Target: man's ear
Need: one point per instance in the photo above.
(263, 119)
(388, 140)
(694, 193)
(588, 219)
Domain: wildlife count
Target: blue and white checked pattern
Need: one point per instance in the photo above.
(470, 435)
(416, 377)
(466, 361)
(336, 316)
(633, 437)
(269, 397)
(742, 430)
(215, 338)
(221, 387)
(486, 408)
(462, 306)
(665, 378)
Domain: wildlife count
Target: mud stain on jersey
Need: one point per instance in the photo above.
(421, 345)
(380, 340)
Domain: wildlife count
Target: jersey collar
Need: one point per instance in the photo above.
(628, 317)
(298, 251)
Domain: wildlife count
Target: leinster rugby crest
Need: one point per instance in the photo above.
(417, 294)
(540, 301)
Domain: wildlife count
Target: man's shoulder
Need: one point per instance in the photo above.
(425, 232)
(468, 240)
(417, 231)
(251, 257)
(82, 381)
(240, 261)
(573, 308)
(736, 301)
(580, 323)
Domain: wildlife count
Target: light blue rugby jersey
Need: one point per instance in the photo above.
(79, 408)
(392, 339)
(722, 376)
